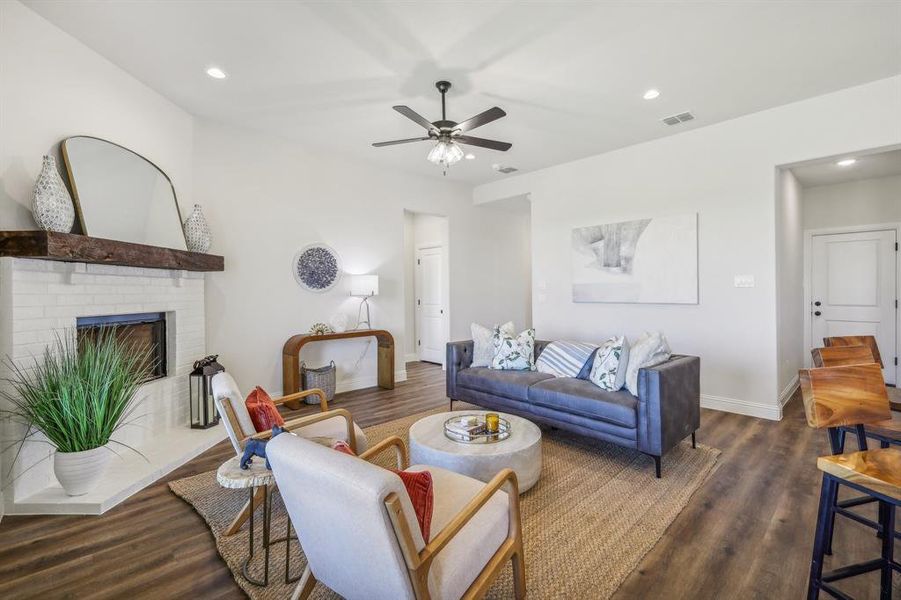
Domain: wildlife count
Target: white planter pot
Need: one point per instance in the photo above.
(79, 472)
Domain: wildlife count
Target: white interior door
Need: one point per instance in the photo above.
(430, 330)
(853, 290)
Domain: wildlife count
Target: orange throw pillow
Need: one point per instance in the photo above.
(419, 487)
(262, 410)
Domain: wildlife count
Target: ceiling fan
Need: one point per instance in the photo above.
(449, 134)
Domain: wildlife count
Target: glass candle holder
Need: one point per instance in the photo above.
(492, 422)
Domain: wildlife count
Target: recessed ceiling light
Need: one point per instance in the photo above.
(216, 73)
(470, 156)
(847, 162)
(651, 94)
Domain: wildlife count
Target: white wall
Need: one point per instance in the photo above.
(862, 202)
(726, 173)
(54, 87)
(789, 283)
(265, 198)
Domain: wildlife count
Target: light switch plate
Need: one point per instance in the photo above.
(744, 281)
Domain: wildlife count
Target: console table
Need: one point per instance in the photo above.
(291, 357)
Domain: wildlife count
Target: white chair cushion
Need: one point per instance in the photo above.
(461, 561)
(336, 429)
(225, 390)
(337, 505)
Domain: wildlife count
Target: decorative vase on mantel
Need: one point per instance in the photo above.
(197, 232)
(51, 204)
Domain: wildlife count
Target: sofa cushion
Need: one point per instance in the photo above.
(510, 384)
(580, 397)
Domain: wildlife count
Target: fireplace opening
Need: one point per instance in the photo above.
(144, 329)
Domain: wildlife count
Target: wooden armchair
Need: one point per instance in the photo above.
(328, 424)
(359, 533)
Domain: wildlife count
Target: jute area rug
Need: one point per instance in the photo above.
(595, 512)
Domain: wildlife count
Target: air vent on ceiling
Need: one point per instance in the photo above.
(504, 169)
(680, 118)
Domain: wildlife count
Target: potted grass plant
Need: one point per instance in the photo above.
(78, 394)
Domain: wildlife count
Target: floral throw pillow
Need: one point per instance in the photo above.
(610, 361)
(514, 353)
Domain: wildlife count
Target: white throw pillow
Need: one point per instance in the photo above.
(483, 349)
(514, 353)
(649, 350)
(610, 363)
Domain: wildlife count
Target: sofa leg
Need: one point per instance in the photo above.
(693, 441)
(451, 404)
(657, 466)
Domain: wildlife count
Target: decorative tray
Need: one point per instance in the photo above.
(471, 429)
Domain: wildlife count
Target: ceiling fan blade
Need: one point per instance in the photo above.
(492, 114)
(414, 116)
(394, 142)
(474, 141)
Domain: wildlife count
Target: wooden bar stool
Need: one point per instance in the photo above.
(852, 396)
(886, 432)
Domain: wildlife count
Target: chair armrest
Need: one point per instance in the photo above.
(506, 478)
(400, 450)
(323, 401)
(311, 419)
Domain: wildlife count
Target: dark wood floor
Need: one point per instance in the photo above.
(746, 533)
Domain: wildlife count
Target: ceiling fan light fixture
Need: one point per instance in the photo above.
(445, 153)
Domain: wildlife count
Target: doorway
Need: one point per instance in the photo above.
(853, 288)
(427, 284)
(430, 330)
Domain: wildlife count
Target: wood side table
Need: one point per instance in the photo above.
(291, 358)
(231, 475)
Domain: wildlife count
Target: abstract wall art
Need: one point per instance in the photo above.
(651, 261)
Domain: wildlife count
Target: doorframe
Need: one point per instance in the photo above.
(445, 299)
(808, 265)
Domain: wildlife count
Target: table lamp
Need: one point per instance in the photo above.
(365, 286)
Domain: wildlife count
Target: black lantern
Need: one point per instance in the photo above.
(203, 407)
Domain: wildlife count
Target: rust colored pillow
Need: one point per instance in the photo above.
(419, 487)
(262, 410)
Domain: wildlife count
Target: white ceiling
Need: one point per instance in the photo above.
(868, 166)
(570, 75)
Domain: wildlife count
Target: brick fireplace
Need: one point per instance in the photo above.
(40, 298)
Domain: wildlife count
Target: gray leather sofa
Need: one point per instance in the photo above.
(666, 411)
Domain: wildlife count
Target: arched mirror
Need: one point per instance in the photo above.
(120, 195)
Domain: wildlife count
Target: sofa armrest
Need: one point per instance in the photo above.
(669, 403)
(459, 357)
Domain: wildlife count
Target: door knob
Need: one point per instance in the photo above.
(817, 313)
(817, 303)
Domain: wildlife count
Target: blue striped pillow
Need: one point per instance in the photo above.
(564, 359)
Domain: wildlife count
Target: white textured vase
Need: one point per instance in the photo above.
(197, 232)
(51, 204)
(79, 472)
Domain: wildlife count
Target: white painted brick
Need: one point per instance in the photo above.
(33, 300)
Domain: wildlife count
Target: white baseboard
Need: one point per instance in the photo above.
(789, 391)
(412, 357)
(359, 383)
(772, 412)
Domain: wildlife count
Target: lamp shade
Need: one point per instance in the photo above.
(364, 285)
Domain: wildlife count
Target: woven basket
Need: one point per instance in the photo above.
(322, 378)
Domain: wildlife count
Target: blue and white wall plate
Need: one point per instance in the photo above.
(316, 267)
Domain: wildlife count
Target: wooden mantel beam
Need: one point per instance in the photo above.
(70, 247)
